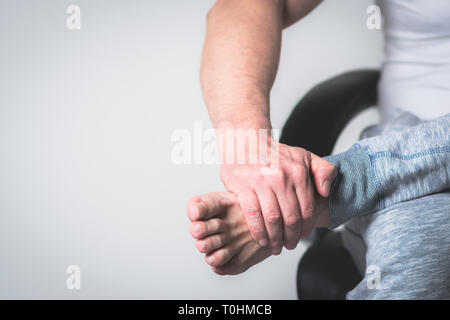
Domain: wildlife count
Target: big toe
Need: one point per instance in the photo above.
(208, 205)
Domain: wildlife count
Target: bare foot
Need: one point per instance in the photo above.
(222, 233)
(219, 226)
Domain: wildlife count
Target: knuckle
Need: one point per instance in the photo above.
(252, 212)
(292, 220)
(259, 179)
(226, 253)
(299, 173)
(273, 217)
(218, 241)
(308, 212)
(223, 256)
(222, 225)
(206, 228)
(215, 224)
(280, 176)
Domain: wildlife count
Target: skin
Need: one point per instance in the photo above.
(223, 235)
(239, 65)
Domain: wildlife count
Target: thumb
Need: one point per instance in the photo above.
(324, 173)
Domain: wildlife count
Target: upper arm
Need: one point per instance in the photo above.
(294, 10)
(290, 10)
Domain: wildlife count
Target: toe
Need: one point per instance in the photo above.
(195, 208)
(201, 229)
(211, 243)
(209, 205)
(219, 257)
(219, 270)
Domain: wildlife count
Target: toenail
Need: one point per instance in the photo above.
(200, 205)
(197, 227)
(211, 259)
(196, 213)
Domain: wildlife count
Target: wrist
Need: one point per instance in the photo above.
(254, 122)
(245, 146)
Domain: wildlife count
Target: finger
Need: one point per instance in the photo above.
(211, 243)
(290, 211)
(201, 229)
(208, 205)
(272, 218)
(250, 205)
(305, 194)
(324, 173)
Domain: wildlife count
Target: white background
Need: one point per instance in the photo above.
(85, 124)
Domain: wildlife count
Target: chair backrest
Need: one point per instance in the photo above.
(318, 119)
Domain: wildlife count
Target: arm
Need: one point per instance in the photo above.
(241, 55)
(239, 64)
(396, 166)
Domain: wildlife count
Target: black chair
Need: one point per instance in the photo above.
(326, 270)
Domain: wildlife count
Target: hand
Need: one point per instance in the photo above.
(279, 207)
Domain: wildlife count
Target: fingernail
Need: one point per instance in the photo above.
(211, 259)
(326, 186)
(197, 227)
(263, 243)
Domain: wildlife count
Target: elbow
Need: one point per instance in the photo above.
(221, 5)
(213, 10)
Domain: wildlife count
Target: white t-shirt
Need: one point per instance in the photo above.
(416, 70)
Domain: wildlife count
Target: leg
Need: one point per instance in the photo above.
(409, 244)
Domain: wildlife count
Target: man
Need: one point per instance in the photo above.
(389, 189)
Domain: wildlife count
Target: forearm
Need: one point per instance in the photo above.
(384, 170)
(240, 60)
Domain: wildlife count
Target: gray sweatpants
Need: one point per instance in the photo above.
(403, 250)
